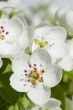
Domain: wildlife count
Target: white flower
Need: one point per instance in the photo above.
(65, 17)
(55, 5)
(35, 75)
(13, 35)
(52, 104)
(67, 62)
(3, 4)
(51, 39)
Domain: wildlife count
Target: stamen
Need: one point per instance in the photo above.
(42, 71)
(30, 66)
(25, 71)
(3, 30)
(7, 33)
(1, 27)
(34, 64)
(34, 76)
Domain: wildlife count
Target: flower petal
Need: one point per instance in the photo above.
(53, 104)
(7, 49)
(66, 63)
(58, 50)
(40, 57)
(68, 22)
(52, 76)
(52, 32)
(70, 47)
(58, 32)
(14, 28)
(23, 41)
(19, 83)
(39, 95)
(19, 64)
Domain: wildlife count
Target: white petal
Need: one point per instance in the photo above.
(57, 32)
(57, 50)
(56, 108)
(53, 104)
(19, 64)
(18, 82)
(69, 22)
(14, 29)
(40, 57)
(41, 32)
(23, 41)
(70, 47)
(3, 4)
(7, 49)
(52, 76)
(35, 108)
(39, 95)
(66, 63)
(52, 32)
(60, 14)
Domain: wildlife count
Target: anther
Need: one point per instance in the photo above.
(30, 66)
(7, 33)
(25, 70)
(42, 71)
(1, 27)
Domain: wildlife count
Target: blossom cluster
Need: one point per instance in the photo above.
(39, 53)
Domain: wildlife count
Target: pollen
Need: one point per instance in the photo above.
(41, 43)
(3, 33)
(34, 76)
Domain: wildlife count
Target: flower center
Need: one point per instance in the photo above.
(34, 76)
(3, 33)
(41, 43)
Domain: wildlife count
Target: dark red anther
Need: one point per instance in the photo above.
(34, 64)
(42, 71)
(25, 74)
(1, 27)
(3, 30)
(7, 33)
(28, 80)
(30, 65)
(25, 70)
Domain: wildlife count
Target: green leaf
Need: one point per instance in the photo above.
(1, 85)
(9, 94)
(6, 62)
(58, 93)
(68, 74)
(3, 104)
(24, 101)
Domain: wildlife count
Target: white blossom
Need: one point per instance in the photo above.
(35, 75)
(13, 35)
(67, 62)
(52, 39)
(52, 104)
